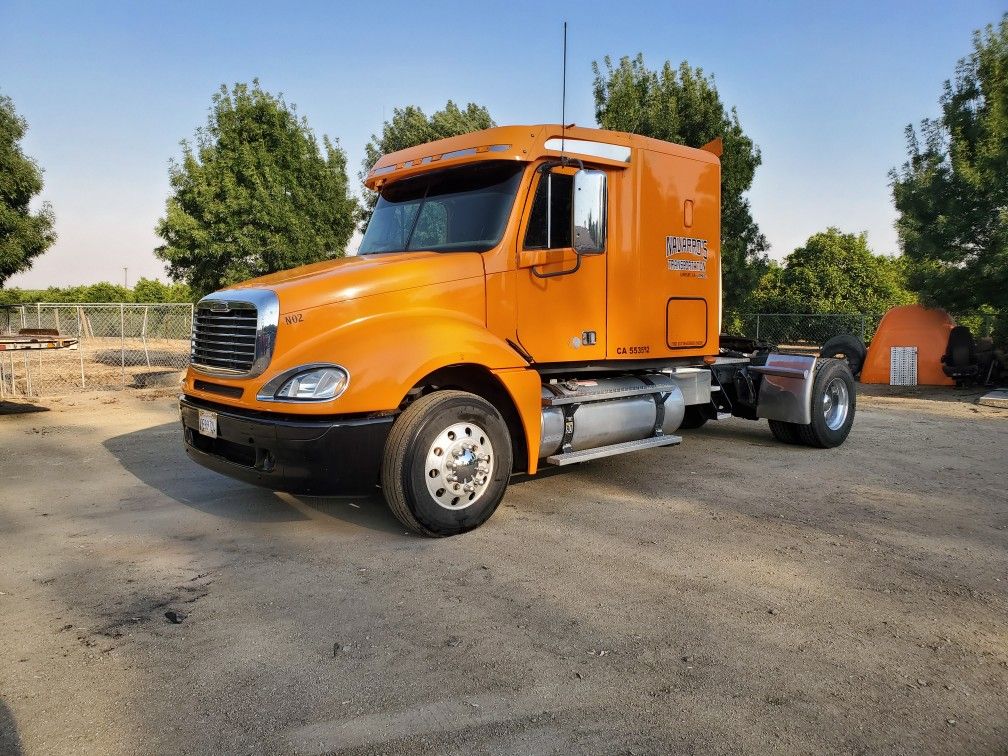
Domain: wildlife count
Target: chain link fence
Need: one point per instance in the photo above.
(118, 346)
(795, 329)
(812, 330)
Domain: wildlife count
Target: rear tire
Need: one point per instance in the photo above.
(447, 463)
(786, 433)
(833, 405)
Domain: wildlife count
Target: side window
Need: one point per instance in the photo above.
(549, 225)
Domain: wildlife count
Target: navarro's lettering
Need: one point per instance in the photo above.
(678, 245)
(685, 245)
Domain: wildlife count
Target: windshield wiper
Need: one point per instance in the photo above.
(423, 201)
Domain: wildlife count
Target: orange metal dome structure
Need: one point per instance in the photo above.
(912, 325)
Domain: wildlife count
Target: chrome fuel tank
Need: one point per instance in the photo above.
(610, 421)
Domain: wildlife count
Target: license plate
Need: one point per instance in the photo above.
(208, 423)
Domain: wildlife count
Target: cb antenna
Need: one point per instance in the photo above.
(563, 96)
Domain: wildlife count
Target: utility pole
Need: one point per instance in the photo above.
(125, 279)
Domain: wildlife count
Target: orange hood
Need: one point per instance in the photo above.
(331, 281)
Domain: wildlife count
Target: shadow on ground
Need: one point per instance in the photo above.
(10, 741)
(20, 408)
(156, 456)
(157, 379)
(168, 358)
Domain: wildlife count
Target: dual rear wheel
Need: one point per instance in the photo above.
(833, 406)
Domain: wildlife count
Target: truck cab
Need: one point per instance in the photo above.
(522, 296)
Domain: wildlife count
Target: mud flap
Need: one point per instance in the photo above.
(785, 392)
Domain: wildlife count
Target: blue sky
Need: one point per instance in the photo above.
(109, 89)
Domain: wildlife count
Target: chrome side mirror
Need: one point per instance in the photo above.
(589, 218)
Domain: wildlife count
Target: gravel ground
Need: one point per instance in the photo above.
(728, 595)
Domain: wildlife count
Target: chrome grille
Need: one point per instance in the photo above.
(225, 339)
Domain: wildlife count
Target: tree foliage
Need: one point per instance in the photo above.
(952, 192)
(410, 126)
(145, 290)
(24, 235)
(834, 272)
(153, 290)
(683, 106)
(253, 194)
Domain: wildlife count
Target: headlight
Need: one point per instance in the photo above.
(308, 383)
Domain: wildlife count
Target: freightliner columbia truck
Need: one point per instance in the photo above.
(524, 297)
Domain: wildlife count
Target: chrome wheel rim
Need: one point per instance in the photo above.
(836, 404)
(459, 466)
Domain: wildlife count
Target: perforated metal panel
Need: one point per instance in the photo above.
(903, 366)
(996, 398)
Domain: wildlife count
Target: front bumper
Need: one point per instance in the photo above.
(322, 457)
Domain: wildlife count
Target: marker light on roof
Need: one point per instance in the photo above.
(446, 156)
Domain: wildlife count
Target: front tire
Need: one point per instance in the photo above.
(447, 463)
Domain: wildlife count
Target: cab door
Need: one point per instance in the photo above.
(561, 281)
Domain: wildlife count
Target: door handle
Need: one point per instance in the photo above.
(536, 258)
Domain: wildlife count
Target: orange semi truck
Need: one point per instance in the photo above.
(524, 296)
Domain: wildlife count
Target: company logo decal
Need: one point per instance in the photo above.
(681, 253)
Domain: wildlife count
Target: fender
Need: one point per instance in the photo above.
(524, 386)
(387, 353)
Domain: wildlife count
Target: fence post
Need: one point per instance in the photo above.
(38, 321)
(757, 326)
(80, 343)
(122, 340)
(143, 334)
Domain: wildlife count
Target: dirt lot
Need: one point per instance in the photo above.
(728, 595)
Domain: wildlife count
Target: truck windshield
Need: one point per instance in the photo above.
(458, 209)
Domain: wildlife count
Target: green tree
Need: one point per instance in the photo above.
(146, 290)
(683, 106)
(24, 235)
(152, 290)
(410, 126)
(103, 291)
(952, 192)
(253, 194)
(834, 272)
